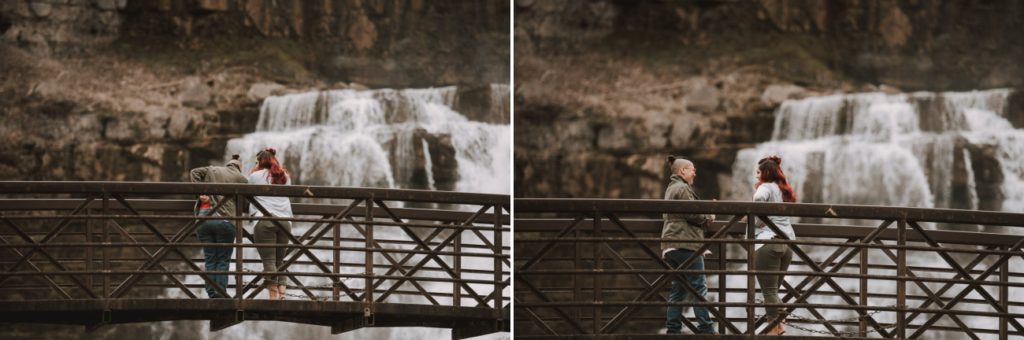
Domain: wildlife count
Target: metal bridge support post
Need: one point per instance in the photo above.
(862, 328)
(456, 288)
(596, 252)
(106, 250)
(336, 290)
(89, 257)
(368, 279)
(723, 286)
(239, 251)
(1004, 295)
(498, 266)
(577, 284)
(751, 310)
(901, 281)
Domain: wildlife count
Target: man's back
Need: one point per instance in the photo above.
(220, 174)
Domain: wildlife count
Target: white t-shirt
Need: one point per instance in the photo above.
(277, 206)
(770, 192)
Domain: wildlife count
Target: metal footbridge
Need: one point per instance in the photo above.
(103, 253)
(588, 268)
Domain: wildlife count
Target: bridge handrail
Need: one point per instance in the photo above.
(179, 205)
(847, 211)
(183, 188)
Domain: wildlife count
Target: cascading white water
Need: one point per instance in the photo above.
(883, 149)
(342, 137)
(428, 167)
(375, 138)
(893, 150)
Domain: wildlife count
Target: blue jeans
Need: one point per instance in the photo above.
(217, 258)
(698, 281)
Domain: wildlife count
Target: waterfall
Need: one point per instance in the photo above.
(891, 149)
(408, 138)
(370, 138)
(917, 150)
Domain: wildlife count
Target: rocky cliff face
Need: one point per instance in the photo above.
(606, 89)
(143, 90)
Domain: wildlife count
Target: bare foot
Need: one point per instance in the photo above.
(778, 329)
(280, 291)
(274, 294)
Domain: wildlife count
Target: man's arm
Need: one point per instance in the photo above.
(683, 194)
(198, 175)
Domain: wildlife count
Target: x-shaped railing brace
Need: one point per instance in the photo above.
(826, 279)
(293, 256)
(432, 255)
(660, 282)
(961, 272)
(300, 250)
(26, 258)
(161, 253)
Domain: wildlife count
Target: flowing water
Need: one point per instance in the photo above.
(931, 150)
(386, 139)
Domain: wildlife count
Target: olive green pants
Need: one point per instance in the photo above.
(773, 257)
(267, 232)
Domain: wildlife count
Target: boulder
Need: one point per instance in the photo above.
(895, 27)
(260, 91)
(213, 5)
(111, 5)
(524, 3)
(194, 93)
(49, 88)
(362, 32)
(483, 103)
(41, 9)
(703, 99)
(775, 94)
(614, 138)
(184, 124)
(686, 130)
(656, 130)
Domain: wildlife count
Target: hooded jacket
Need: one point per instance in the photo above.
(230, 173)
(682, 226)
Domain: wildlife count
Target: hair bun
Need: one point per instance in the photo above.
(235, 156)
(272, 151)
(774, 158)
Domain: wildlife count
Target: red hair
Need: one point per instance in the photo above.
(771, 172)
(267, 159)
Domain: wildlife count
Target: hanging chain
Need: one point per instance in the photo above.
(828, 332)
(330, 285)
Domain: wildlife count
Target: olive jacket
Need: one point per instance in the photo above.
(682, 226)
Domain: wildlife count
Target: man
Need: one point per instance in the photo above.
(217, 231)
(685, 227)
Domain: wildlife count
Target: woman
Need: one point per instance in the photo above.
(269, 171)
(772, 187)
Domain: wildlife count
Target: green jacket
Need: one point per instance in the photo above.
(682, 226)
(219, 174)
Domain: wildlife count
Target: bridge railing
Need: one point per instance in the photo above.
(124, 240)
(594, 267)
